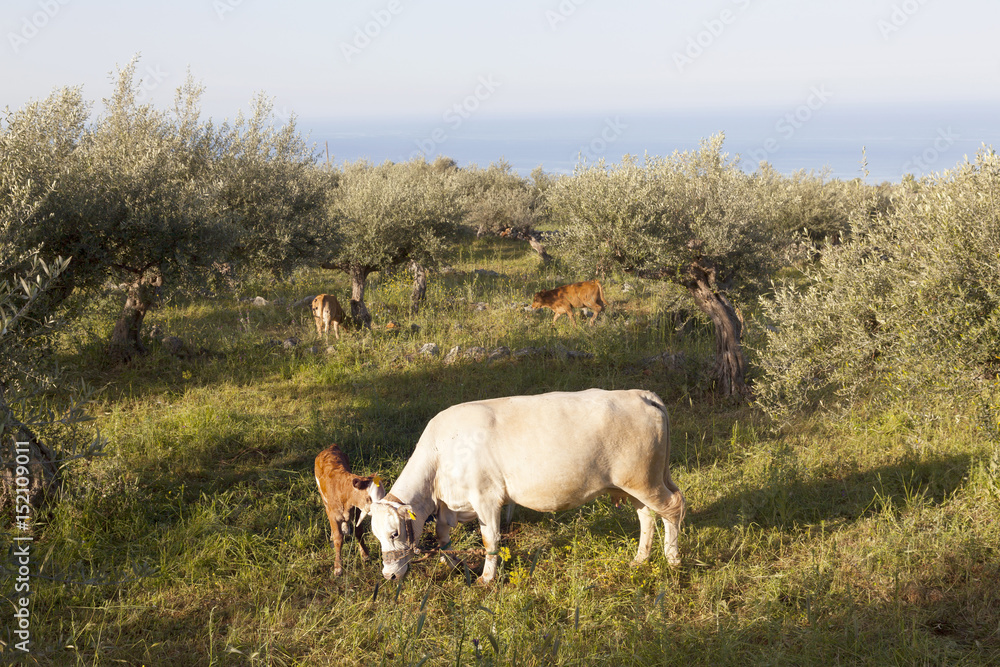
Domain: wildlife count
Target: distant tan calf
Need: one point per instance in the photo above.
(347, 499)
(562, 300)
(325, 310)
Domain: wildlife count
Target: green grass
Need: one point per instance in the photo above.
(199, 538)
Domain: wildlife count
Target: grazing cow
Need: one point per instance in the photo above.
(326, 309)
(547, 452)
(562, 300)
(347, 499)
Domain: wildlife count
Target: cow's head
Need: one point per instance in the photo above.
(392, 524)
(538, 301)
(375, 491)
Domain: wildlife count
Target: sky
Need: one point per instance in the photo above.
(449, 61)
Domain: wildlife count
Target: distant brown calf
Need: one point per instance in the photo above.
(326, 309)
(562, 300)
(347, 499)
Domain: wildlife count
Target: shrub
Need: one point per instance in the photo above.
(910, 303)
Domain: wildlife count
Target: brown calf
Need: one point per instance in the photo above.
(347, 499)
(562, 300)
(326, 309)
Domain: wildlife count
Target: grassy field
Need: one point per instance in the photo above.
(199, 539)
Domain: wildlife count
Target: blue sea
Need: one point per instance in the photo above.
(916, 140)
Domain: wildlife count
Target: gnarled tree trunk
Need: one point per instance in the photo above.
(29, 473)
(533, 238)
(419, 287)
(126, 343)
(730, 365)
(359, 311)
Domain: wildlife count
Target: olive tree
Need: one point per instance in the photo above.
(29, 468)
(268, 189)
(693, 218)
(908, 305)
(122, 195)
(151, 204)
(499, 201)
(386, 215)
(41, 206)
(146, 198)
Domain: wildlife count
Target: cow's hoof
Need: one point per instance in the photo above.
(337, 571)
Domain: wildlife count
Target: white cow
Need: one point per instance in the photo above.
(547, 452)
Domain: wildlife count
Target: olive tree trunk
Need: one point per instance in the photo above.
(730, 365)
(29, 473)
(533, 238)
(359, 311)
(419, 287)
(126, 343)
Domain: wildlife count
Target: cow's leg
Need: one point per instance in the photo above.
(319, 326)
(490, 528)
(336, 329)
(646, 529)
(442, 530)
(508, 515)
(556, 317)
(672, 521)
(668, 504)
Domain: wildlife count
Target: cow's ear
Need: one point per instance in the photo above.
(409, 513)
(361, 482)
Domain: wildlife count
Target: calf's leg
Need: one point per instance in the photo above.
(337, 538)
(358, 530)
(597, 308)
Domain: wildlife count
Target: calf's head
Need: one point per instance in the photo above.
(392, 524)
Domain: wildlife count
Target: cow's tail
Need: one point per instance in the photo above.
(600, 294)
(653, 400)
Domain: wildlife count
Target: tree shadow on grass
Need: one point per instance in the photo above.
(787, 501)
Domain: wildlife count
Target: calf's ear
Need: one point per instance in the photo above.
(361, 482)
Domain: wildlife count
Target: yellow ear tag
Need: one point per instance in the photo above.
(376, 480)
(412, 515)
